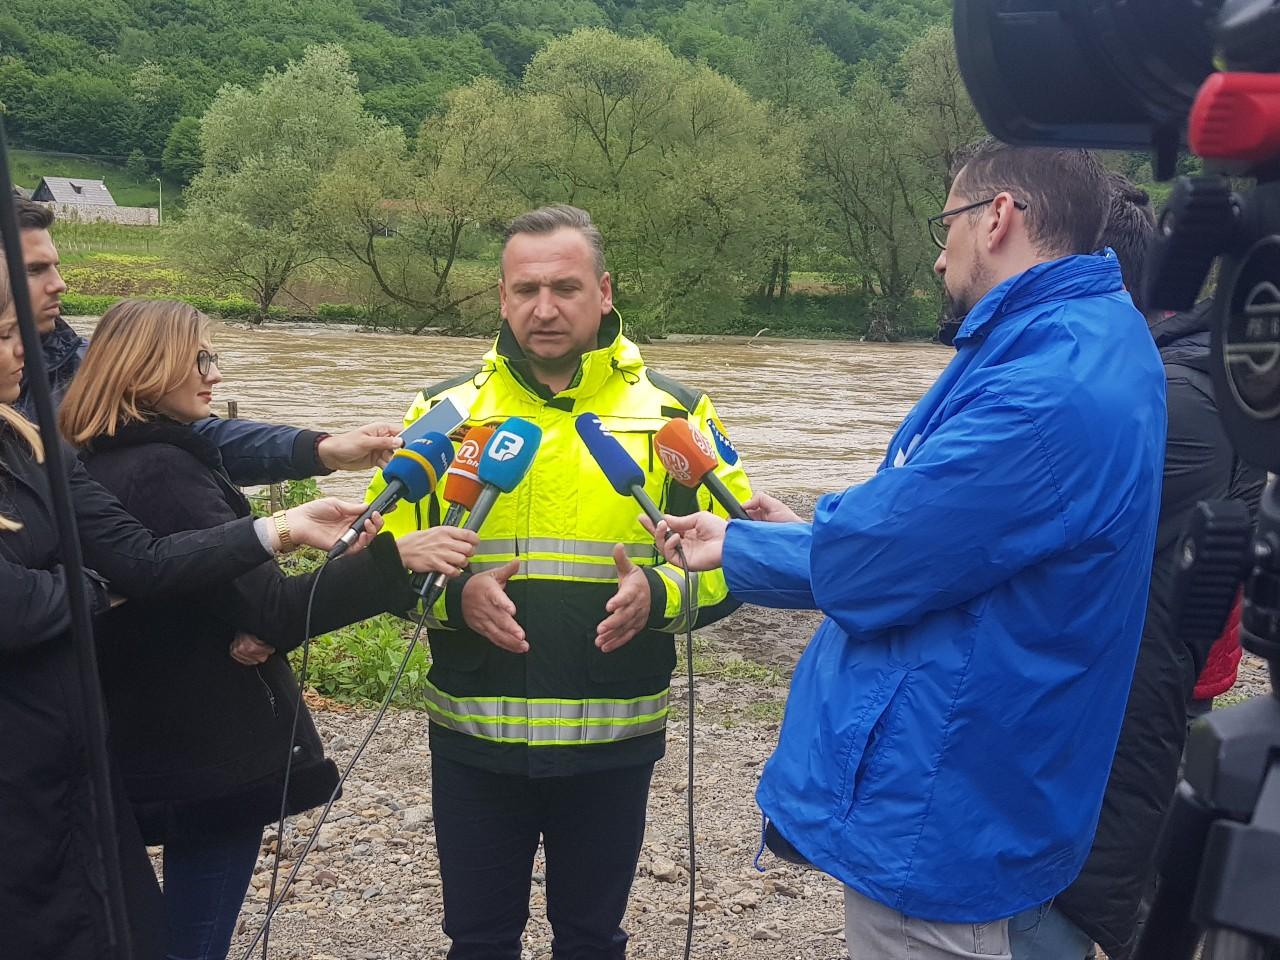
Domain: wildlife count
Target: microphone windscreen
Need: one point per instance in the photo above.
(685, 452)
(420, 465)
(619, 468)
(509, 454)
(462, 483)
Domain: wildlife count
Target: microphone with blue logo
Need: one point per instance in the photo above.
(504, 462)
(622, 472)
(411, 474)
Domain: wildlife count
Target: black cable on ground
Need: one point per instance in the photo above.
(273, 903)
(288, 763)
(693, 853)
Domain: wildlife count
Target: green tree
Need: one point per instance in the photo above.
(181, 158)
(407, 219)
(869, 193)
(251, 219)
(674, 161)
(941, 117)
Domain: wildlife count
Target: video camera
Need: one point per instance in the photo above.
(1159, 75)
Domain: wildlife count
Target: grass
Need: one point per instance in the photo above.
(28, 166)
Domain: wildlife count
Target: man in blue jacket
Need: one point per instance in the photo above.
(950, 726)
(253, 453)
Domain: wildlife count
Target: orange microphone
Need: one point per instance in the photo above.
(688, 457)
(462, 480)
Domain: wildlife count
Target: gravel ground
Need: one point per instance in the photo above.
(371, 890)
(372, 887)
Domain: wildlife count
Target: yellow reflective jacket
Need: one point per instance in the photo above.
(564, 707)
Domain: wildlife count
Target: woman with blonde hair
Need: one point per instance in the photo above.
(201, 716)
(53, 886)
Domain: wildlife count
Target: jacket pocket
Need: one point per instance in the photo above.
(865, 734)
(648, 654)
(459, 651)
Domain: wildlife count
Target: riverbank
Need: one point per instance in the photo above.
(103, 263)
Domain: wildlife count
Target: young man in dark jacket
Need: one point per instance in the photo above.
(1104, 902)
(252, 453)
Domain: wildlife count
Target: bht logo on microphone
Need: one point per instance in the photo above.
(677, 463)
(505, 445)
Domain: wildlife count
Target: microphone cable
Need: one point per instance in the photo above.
(273, 903)
(689, 599)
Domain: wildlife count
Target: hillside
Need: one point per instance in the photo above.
(130, 77)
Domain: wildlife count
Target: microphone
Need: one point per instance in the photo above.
(688, 457)
(462, 481)
(622, 472)
(411, 474)
(504, 462)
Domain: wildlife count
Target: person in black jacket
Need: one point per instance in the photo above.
(200, 718)
(252, 453)
(52, 886)
(1103, 905)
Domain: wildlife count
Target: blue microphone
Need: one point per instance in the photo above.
(622, 472)
(411, 474)
(504, 462)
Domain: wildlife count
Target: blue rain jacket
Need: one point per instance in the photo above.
(950, 727)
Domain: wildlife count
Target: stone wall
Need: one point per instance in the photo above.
(89, 213)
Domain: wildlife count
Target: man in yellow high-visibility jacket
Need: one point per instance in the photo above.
(552, 654)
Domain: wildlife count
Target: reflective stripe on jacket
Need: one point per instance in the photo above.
(565, 707)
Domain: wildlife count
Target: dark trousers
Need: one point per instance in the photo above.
(205, 879)
(487, 830)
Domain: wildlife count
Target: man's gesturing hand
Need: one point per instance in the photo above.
(490, 612)
(628, 608)
(701, 535)
(360, 449)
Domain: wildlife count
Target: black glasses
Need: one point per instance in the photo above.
(938, 229)
(205, 361)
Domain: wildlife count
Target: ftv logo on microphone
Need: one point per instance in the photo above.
(677, 463)
(505, 445)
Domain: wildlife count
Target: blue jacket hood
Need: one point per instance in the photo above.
(950, 727)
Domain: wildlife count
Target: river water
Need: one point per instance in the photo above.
(808, 416)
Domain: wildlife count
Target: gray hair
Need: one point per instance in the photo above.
(559, 216)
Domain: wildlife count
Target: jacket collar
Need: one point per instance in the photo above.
(1066, 278)
(60, 345)
(613, 352)
(159, 430)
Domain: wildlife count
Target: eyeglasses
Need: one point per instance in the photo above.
(938, 228)
(205, 361)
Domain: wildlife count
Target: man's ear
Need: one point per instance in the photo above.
(502, 297)
(606, 293)
(1002, 216)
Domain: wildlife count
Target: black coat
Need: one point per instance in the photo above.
(201, 740)
(1200, 464)
(51, 904)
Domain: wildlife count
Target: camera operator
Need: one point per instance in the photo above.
(949, 728)
(1104, 903)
